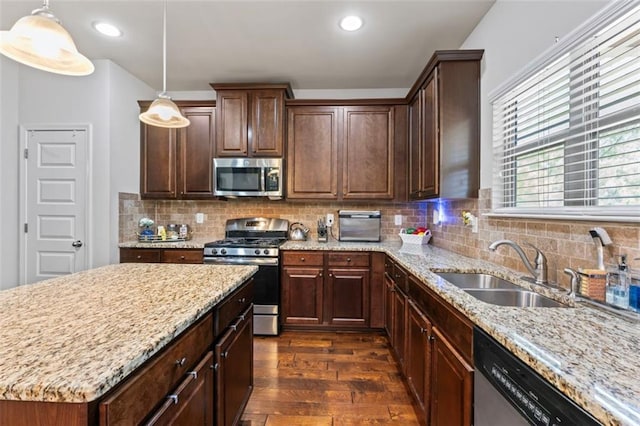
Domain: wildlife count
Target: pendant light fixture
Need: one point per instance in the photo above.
(163, 112)
(39, 41)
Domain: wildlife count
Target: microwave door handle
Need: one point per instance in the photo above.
(263, 180)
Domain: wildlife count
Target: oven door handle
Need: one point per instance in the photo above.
(241, 261)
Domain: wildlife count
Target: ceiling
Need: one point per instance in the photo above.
(266, 41)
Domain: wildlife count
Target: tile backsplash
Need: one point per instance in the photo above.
(566, 243)
(216, 212)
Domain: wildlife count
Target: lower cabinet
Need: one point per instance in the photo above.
(234, 370)
(191, 404)
(452, 384)
(418, 361)
(326, 290)
(434, 348)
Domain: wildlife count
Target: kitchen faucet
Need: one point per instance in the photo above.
(539, 270)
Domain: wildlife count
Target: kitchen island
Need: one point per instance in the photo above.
(72, 339)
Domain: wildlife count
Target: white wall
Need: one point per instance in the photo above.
(513, 33)
(106, 101)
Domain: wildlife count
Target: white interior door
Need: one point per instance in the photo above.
(55, 193)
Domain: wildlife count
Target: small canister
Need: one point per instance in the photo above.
(183, 231)
(173, 231)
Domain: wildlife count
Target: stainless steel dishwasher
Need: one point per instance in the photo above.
(507, 392)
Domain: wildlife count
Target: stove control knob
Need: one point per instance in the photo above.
(266, 251)
(214, 251)
(223, 251)
(257, 251)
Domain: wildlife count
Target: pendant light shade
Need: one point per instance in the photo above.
(163, 112)
(39, 41)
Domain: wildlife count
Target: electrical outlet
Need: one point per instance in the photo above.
(397, 219)
(330, 219)
(199, 217)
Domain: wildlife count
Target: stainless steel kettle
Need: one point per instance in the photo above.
(298, 232)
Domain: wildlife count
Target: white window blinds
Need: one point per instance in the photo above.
(567, 135)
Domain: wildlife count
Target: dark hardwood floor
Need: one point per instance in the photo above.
(321, 378)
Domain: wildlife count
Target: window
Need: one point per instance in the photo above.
(567, 134)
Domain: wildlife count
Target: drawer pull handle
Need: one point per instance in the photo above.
(224, 354)
(233, 327)
(422, 330)
(431, 337)
(242, 317)
(194, 374)
(174, 398)
(180, 362)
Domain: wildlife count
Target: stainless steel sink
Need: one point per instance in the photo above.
(518, 298)
(476, 281)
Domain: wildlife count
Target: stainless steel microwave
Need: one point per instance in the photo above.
(247, 177)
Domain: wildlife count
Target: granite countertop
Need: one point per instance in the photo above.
(72, 338)
(189, 244)
(588, 354)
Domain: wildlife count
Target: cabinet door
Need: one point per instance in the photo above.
(158, 153)
(415, 145)
(132, 255)
(191, 404)
(418, 358)
(398, 325)
(196, 151)
(302, 292)
(367, 152)
(266, 127)
(347, 297)
(312, 153)
(388, 306)
(234, 372)
(430, 153)
(231, 123)
(452, 385)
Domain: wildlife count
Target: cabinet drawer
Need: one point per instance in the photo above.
(302, 258)
(182, 256)
(400, 277)
(134, 399)
(140, 255)
(348, 259)
(192, 401)
(233, 305)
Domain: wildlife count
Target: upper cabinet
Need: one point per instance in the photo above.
(444, 127)
(178, 163)
(250, 119)
(344, 152)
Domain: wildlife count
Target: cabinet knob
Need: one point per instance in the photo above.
(320, 274)
(302, 259)
(348, 259)
(431, 337)
(138, 257)
(423, 330)
(242, 300)
(397, 275)
(180, 362)
(181, 257)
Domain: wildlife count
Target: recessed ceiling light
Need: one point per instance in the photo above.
(107, 29)
(351, 23)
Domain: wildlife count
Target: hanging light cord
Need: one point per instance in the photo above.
(164, 50)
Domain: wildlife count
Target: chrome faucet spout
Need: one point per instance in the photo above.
(538, 269)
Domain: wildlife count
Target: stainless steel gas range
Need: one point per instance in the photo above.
(255, 241)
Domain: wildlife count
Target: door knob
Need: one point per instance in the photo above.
(77, 243)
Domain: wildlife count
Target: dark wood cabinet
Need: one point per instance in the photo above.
(347, 297)
(418, 359)
(234, 370)
(312, 152)
(444, 127)
(160, 255)
(191, 404)
(250, 119)
(452, 385)
(178, 163)
(396, 309)
(368, 152)
(344, 152)
(330, 290)
(302, 295)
